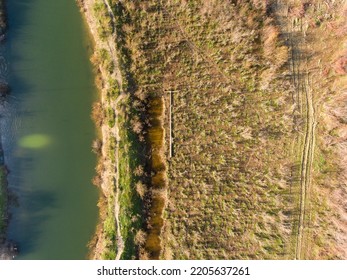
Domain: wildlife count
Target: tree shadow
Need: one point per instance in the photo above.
(10, 107)
(26, 221)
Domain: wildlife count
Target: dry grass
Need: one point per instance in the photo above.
(97, 114)
(229, 188)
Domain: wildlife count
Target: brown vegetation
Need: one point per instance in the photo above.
(229, 181)
(97, 114)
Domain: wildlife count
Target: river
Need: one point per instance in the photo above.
(47, 131)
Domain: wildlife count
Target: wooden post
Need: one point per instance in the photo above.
(170, 121)
(170, 124)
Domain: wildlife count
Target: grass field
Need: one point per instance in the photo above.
(230, 193)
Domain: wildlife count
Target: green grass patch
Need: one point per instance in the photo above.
(131, 206)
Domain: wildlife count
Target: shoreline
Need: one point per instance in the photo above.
(106, 171)
(8, 249)
(5, 246)
(3, 19)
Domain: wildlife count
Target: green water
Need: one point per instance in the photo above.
(47, 130)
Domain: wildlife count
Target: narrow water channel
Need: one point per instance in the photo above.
(47, 131)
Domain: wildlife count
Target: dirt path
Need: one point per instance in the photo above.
(296, 36)
(114, 104)
(120, 242)
(112, 39)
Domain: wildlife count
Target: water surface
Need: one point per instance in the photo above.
(47, 131)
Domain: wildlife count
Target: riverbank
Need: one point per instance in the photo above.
(3, 203)
(108, 241)
(3, 20)
(132, 166)
(5, 252)
(8, 250)
(3, 193)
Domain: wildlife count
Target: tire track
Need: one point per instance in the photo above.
(306, 168)
(296, 36)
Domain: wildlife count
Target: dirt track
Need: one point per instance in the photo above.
(112, 49)
(296, 36)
